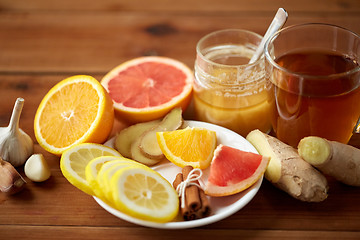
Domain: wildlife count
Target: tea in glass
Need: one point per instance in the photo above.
(314, 84)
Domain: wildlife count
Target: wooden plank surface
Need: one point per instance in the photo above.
(43, 42)
(96, 42)
(187, 6)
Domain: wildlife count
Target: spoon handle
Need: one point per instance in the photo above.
(277, 23)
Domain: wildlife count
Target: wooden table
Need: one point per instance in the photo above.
(43, 42)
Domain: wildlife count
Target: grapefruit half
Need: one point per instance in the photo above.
(147, 88)
(233, 170)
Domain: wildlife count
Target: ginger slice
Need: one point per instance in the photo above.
(335, 159)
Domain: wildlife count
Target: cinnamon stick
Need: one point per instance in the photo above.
(196, 201)
(186, 212)
(191, 192)
(199, 202)
(205, 209)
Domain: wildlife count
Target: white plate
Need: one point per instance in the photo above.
(222, 207)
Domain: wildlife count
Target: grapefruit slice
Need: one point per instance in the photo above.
(233, 170)
(147, 88)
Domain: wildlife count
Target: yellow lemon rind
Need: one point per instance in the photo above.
(72, 176)
(129, 207)
(91, 172)
(107, 173)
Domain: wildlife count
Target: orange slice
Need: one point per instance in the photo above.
(189, 146)
(76, 110)
(147, 88)
(233, 171)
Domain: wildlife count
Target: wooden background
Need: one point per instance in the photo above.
(43, 42)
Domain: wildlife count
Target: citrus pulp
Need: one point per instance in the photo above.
(76, 110)
(147, 88)
(75, 159)
(106, 173)
(189, 146)
(92, 170)
(233, 170)
(143, 193)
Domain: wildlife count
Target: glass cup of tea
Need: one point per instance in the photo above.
(228, 91)
(313, 73)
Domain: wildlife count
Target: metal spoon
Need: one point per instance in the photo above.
(277, 23)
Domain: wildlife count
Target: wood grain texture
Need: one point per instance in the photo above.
(189, 6)
(43, 42)
(53, 42)
(136, 233)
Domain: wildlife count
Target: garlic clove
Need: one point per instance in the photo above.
(36, 168)
(11, 181)
(15, 145)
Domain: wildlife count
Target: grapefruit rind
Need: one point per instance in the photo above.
(231, 188)
(134, 115)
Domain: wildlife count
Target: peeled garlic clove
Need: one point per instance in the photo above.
(36, 168)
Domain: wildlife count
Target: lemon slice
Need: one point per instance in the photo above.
(92, 169)
(107, 171)
(74, 160)
(143, 193)
(189, 146)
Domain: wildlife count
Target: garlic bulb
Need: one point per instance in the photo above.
(15, 145)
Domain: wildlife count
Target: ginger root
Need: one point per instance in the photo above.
(287, 170)
(335, 159)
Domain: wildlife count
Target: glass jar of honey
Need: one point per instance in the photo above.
(228, 91)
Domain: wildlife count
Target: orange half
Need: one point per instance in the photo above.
(76, 110)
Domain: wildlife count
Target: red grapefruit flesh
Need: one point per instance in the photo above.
(233, 170)
(147, 88)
